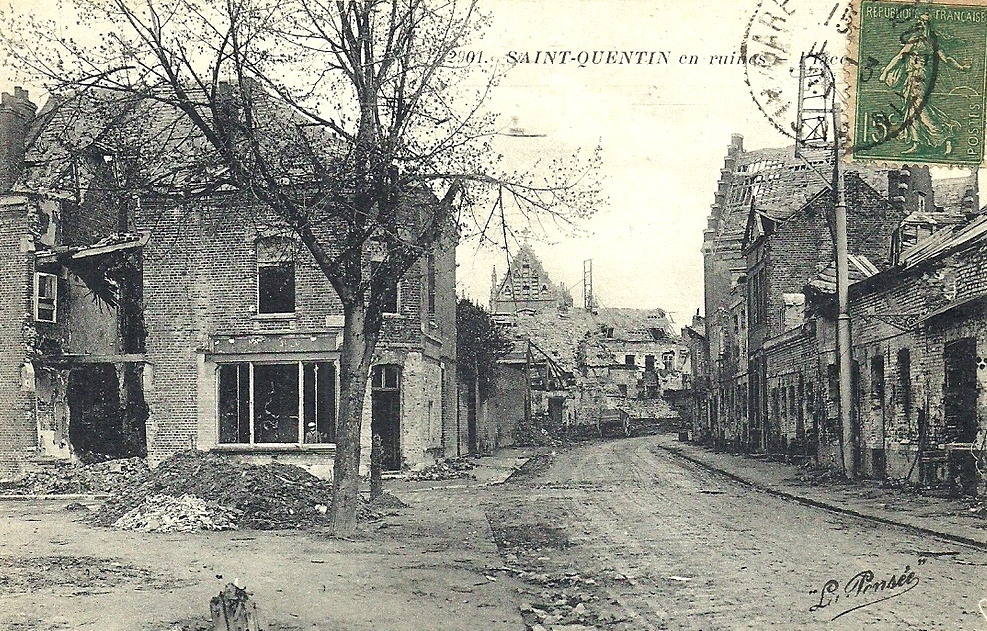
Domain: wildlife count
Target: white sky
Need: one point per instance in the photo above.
(664, 130)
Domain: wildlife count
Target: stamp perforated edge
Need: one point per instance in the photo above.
(848, 85)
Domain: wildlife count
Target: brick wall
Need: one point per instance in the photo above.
(200, 280)
(18, 429)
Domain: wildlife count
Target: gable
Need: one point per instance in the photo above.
(526, 280)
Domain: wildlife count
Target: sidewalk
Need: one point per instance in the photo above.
(951, 520)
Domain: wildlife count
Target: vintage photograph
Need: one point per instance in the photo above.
(415, 315)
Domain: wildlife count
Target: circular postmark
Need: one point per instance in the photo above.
(778, 34)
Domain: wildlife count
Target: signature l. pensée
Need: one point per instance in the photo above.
(862, 590)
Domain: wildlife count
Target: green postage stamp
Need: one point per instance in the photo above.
(918, 93)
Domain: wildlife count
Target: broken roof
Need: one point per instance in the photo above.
(859, 267)
(945, 242)
(558, 334)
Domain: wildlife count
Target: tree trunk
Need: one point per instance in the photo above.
(354, 370)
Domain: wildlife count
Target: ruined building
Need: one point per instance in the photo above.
(135, 326)
(915, 295)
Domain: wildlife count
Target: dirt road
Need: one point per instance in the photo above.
(670, 545)
(417, 571)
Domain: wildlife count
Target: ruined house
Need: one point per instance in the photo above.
(573, 366)
(140, 326)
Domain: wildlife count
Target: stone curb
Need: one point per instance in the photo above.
(806, 501)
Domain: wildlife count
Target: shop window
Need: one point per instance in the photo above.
(45, 297)
(277, 413)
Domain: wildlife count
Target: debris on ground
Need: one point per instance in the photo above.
(386, 501)
(76, 574)
(266, 497)
(62, 478)
(166, 513)
(448, 469)
(233, 610)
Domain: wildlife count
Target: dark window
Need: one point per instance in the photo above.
(234, 403)
(628, 360)
(389, 300)
(275, 275)
(386, 377)
(668, 359)
(431, 284)
(276, 288)
(905, 382)
(833, 382)
(622, 388)
(320, 402)
(276, 403)
(45, 297)
(649, 362)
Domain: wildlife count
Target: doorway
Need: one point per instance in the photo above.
(960, 400)
(386, 413)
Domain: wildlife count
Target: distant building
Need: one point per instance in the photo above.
(525, 288)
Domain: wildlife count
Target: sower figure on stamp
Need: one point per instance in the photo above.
(911, 72)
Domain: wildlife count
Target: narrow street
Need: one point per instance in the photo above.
(671, 545)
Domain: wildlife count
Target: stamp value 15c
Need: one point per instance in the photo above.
(920, 80)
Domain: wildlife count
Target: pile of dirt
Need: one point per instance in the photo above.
(72, 477)
(165, 513)
(270, 496)
(448, 469)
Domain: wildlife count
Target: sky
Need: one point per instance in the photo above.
(663, 129)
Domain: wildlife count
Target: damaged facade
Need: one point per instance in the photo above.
(770, 325)
(188, 327)
(574, 369)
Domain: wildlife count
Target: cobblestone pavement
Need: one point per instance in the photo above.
(695, 550)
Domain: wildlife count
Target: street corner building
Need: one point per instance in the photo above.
(144, 327)
(918, 309)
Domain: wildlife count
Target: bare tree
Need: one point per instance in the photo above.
(344, 122)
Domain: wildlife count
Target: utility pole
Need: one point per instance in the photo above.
(844, 348)
(817, 102)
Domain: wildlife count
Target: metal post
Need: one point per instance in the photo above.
(843, 345)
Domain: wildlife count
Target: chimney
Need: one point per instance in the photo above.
(736, 143)
(16, 116)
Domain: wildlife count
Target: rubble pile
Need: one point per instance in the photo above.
(563, 602)
(73, 477)
(448, 469)
(270, 496)
(166, 513)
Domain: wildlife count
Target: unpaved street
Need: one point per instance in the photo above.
(670, 545)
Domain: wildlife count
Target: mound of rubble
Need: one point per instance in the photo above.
(270, 496)
(165, 513)
(448, 469)
(63, 478)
